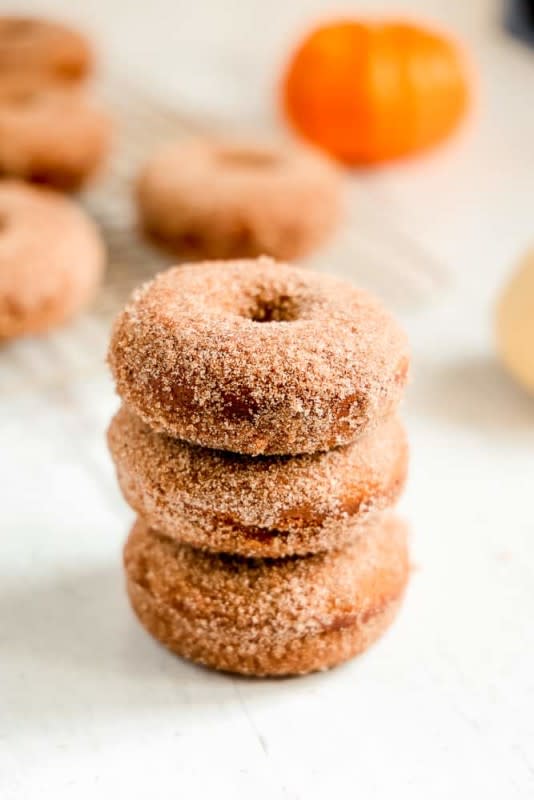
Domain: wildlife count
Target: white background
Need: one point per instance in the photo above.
(443, 706)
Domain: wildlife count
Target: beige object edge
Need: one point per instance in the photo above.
(515, 323)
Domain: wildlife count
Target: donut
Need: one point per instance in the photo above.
(41, 47)
(257, 357)
(260, 617)
(267, 506)
(51, 259)
(224, 199)
(50, 135)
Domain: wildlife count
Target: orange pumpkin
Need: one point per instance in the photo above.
(368, 92)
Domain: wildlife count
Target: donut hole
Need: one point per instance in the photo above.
(248, 158)
(281, 308)
(192, 241)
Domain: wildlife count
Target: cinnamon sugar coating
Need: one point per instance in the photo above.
(50, 134)
(204, 198)
(264, 506)
(50, 50)
(267, 617)
(257, 357)
(51, 259)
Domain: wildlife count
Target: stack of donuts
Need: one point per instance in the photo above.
(260, 446)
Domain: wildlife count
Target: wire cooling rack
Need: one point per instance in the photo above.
(371, 250)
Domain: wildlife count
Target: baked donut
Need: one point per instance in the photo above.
(222, 199)
(257, 357)
(264, 506)
(51, 259)
(267, 617)
(40, 47)
(50, 135)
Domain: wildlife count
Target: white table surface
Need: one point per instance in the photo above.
(443, 706)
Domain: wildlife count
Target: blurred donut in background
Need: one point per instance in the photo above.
(41, 47)
(213, 199)
(50, 134)
(51, 259)
(515, 323)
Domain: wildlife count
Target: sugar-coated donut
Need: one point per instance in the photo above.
(267, 506)
(50, 134)
(274, 617)
(38, 46)
(224, 199)
(257, 357)
(51, 259)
